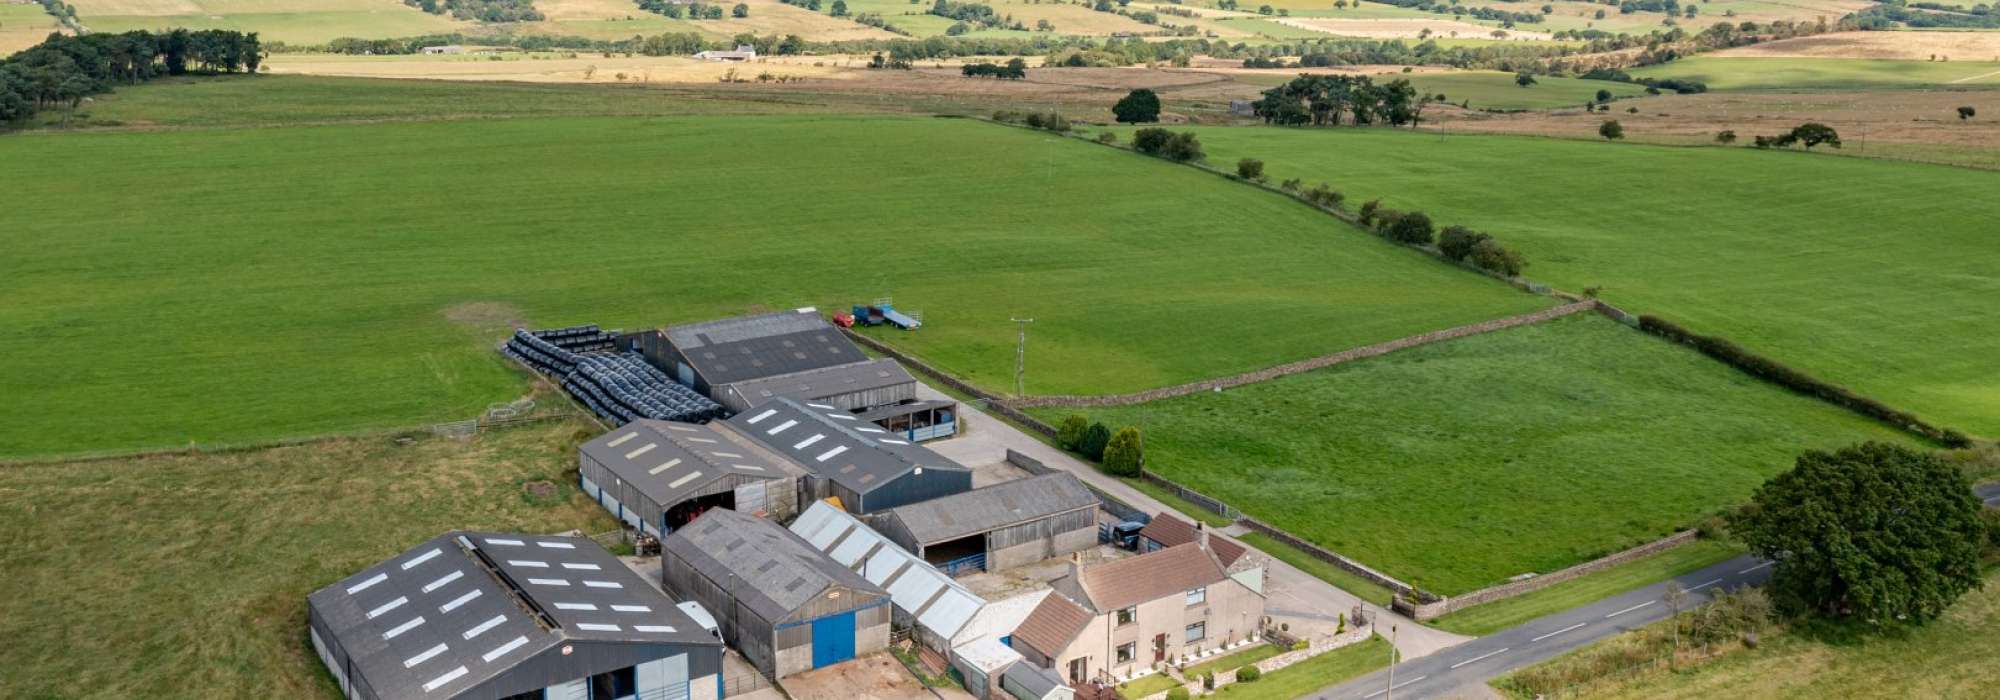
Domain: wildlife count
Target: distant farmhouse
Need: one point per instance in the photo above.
(743, 52)
(451, 49)
(480, 616)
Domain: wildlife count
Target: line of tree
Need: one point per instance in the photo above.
(481, 10)
(63, 70)
(1181, 146)
(1121, 452)
(972, 13)
(1321, 100)
(1456, 10)
(1809, 134)
(1013, 69)
(693, 10)
(1887, 15)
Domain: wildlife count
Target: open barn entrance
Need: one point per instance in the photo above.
(686, 511)
(964, 555)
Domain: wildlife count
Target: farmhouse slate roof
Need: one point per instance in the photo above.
(463, 607)
(1151, 576)
(994, 507)
(667, 461)
(765, 566)
(835, 444)
(1171, 530)
(730, 350)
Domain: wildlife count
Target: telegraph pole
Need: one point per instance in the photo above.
(1021, 356)
(1390, 691)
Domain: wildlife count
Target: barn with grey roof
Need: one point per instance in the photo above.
(784, 604)
(498, 617)
(658, 475)
(865, 466)
(998, 527)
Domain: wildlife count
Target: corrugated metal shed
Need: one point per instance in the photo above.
(859, 457)
(993, 507)
(669, 461)
(775, 572)
(766, 345)
(916, 588)
(464, 608)
(1000, 618)
(857, 385)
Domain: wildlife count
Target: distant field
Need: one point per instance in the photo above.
(1967, 46)
(182, 577)
(1826, 73)
(291, 21)
(1456, 465)
(307, 280)
(1878, 275)
(23, 25)
(622, 19)
(1491, 89)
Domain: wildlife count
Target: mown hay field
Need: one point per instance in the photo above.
(1459, 464)
(290, 21)
(292, 281)
(1789, 74)
(1872, 274)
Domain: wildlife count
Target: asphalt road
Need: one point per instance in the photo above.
(1466, 667)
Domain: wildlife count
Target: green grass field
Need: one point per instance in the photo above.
(1301, 679)
(324, 279)
(290, 21)
(1949, 658)
(1500, 615)
(1492, 89)
(186, 576)
(1877, 275)
(1456, 465)
(1340, 578)
(1770, 73)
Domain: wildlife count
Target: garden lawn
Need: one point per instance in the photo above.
(1773, 73)
(1456, 465)
(297, 281)
(1301, 679)
(187, 576)
(1877, 275)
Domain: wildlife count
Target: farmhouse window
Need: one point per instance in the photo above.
(1127, 651)
(1126, 616)
(1197, 632)
(1197, 596)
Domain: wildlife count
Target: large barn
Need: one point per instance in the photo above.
(782, 603)
(658, 475)
(865, 466)
(507, 617)
(998, 527)
(749, 360)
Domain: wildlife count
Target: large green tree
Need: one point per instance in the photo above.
(1875, 532)
(1137, 107)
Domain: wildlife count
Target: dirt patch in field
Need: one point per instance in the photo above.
(486, 317)
(1408, 28)
(1911, 46)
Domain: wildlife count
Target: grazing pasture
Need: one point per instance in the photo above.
(1872, 274)
(1781, 73)
(293, 281)
(290, 21)
(1967, 46)
(190, 573)
(1459, 464)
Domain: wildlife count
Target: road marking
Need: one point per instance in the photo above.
(1630, 609)
(1481, 657)
(1754, 568)
(1393, 687)
(1705, 585)
(1560, 631)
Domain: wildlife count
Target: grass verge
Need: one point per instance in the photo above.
(1493, 617)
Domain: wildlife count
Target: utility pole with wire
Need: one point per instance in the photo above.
(1389, 692)
(1021, 356)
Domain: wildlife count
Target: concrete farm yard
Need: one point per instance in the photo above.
(345, 284)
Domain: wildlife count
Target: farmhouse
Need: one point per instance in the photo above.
(449, 49)
(477, 615)
(658, 475)
(1169, 530)
(749, 360)
(863, 465)
(999, 527)
(923, 598)
(1109, 621)
(743, 52)
(785, 605)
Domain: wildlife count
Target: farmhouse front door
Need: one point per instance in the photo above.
(1159, 647)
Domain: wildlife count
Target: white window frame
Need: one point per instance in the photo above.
(1130, 616)
(1197, 596)
(1126, 653)
(1195, 633)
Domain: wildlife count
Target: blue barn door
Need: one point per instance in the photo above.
(833, 639)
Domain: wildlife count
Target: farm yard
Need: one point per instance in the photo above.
(191, 572)
(1459, 464)
(1730, 248)
(372, 296)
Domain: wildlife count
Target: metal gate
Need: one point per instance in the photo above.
(833, 639)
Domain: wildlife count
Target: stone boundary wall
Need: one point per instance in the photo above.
(1313, 648)
(1111, 504)
(1309, 364)
(1327, 555)
(1193, 497)
(1428, 611)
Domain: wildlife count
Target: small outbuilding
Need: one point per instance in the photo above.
(482, 616)
(864, 465)
(786, 606)
(925, 599)
(658, 475)
(999, 527)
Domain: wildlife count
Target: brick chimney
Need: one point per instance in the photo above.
(1201, 534)
(1076, 567)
